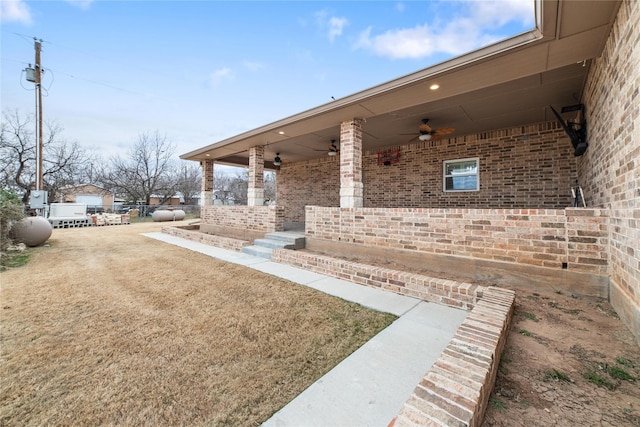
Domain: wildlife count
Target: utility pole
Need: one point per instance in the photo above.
(39, 144)
(38, 197)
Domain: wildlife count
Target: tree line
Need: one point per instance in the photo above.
(148, 169)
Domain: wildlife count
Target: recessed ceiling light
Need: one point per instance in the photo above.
(434, 86)
(208, 155)
(281, 132)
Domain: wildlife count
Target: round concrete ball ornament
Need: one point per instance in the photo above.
(32, 230)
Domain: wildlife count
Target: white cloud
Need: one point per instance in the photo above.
(216, 77)
(15, 11)
(400, 7)
(336, 25)
(477, 24)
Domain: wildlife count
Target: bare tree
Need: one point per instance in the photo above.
(189, 181)
(148, 170)
(61, 160)
(269, 187)
(231, 189)
(222, 187)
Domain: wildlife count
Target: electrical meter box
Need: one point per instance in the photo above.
(37, 199)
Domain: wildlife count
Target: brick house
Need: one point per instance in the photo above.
(492, 199)
(90, 194)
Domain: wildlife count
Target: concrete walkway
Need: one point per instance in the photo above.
(370, 386)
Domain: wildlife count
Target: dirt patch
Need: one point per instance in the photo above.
(105, 326)
(568, 361)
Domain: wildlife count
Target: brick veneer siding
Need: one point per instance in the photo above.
(525, 167)
(192, 233)
(441, 291)
(253, 218)
(456, 390)
(314, 182)
(538, 237)
(610, 169)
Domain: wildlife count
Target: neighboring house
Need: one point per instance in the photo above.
(174, 200)
(91, 195)
(492, 198)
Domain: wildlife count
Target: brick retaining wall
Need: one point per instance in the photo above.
(192, 233)
(440, 291)
(456, 390)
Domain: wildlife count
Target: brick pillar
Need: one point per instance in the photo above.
(206, 191)
(255, 190)
(351, 186)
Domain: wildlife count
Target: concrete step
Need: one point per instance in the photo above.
(258, 251)
(293, 240)
(273, 244)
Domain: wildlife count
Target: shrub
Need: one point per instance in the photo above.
(10, 212)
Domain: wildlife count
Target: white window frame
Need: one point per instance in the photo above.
(445, 176)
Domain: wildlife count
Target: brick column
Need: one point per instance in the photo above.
(255, 190)
(351, 186)
(206, 191)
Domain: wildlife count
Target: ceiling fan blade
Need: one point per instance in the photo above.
(444, 131)
(425, 128)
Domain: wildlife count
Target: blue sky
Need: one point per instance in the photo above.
(202, 71)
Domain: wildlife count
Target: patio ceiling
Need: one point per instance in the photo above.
(508, 84)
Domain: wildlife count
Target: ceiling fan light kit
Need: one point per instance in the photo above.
(277, 161)
(427, 133)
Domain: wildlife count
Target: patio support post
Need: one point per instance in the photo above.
(206, 193)
(351, 186)
(255, 190)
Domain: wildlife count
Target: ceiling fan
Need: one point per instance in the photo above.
(333, 148)
(426, 132)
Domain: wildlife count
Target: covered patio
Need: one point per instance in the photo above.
(463, 165)
(465, 168)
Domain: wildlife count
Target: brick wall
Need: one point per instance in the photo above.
(525, 167)
(314, 182)
(192, 233)
(441, 291)
(538, 237)
(455, 391)
(610, 169)
(253, 218)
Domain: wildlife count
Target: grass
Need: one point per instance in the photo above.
(597, 379)
(504, 360)
(619, 373)
(556, 375)
(14, 259)
(530, 316)
(525, 333)
(107, 327)
(497, 404)
(624, 362)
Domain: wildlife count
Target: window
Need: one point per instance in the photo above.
(461, 175)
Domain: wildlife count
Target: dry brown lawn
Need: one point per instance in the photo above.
(105, 326)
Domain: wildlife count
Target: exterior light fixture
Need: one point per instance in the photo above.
(277, 161)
